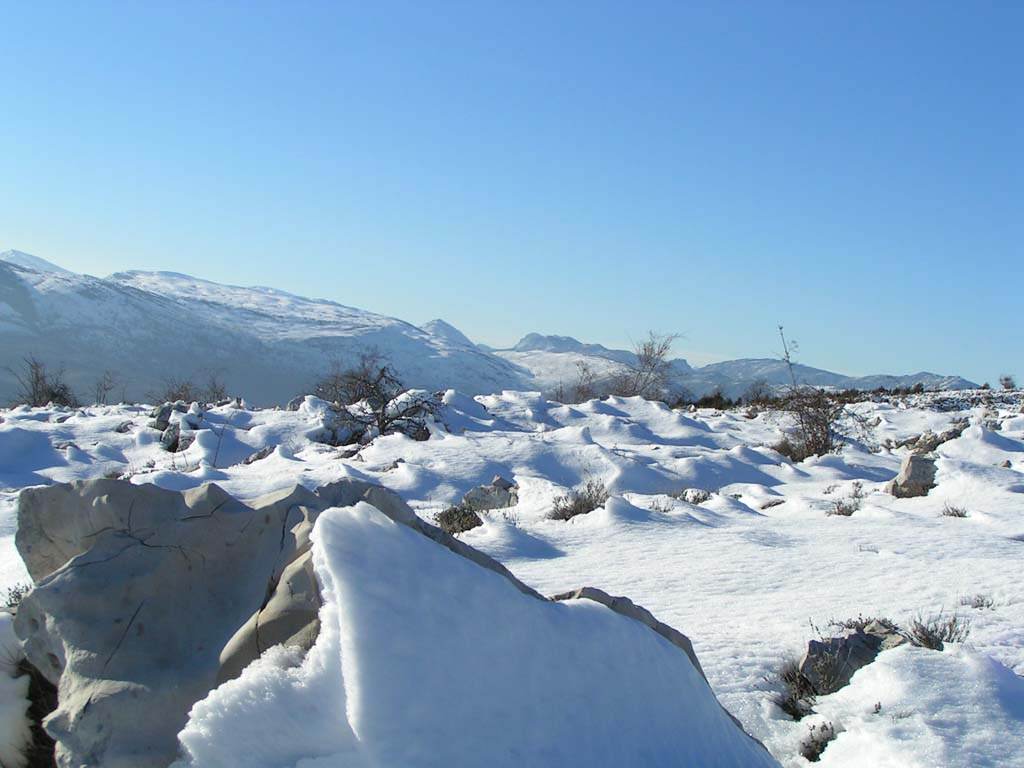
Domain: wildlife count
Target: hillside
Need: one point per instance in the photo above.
(269, 345)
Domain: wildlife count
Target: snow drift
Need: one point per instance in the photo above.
(426, 659)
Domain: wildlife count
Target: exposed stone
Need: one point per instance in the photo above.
(829, 663)
(149, 598)
(500, 494)
(916, 477)
(261, 454)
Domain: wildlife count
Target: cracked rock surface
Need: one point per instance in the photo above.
(146, 599)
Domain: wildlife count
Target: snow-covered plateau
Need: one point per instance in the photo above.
(427, 658)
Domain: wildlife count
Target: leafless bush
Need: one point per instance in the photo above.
(1006, 381)
(580, 501)
(585, 386)
(860, 622)
(104, 385)
(174, 389)
(15, 593)
(383, 401)
(951, 510)
(798, 696)
(815, 414)
(978, 601)
(935, 631)
(648, 376)
(845, 507)
(758, 393)
(458, 519)
(812, 747)
(38, 387)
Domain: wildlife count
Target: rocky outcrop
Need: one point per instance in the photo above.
(147, 599)
(928, 441)
(916, 477)
(829, 663)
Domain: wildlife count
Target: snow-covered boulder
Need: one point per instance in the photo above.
(425, 659)
(336, 625)
(147, 588)
(916, 477)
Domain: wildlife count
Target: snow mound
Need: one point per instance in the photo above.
(955, 708)
(426, 659)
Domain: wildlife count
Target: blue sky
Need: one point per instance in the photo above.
(851, 170)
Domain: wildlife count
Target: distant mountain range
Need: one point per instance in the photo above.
(268, 345)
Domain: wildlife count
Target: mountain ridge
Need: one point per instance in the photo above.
(269, 344)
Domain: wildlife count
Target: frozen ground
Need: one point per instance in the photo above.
(742, 574)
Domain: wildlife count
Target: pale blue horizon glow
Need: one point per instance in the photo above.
(852, 171)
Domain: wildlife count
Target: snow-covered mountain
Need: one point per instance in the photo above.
(150, 327)
(29, 261)
(554, 361)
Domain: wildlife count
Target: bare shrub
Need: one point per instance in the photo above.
(935, 631)
(648, 376)
(103, 386)
(978, 601)
(1006, 381)
(661, 506)
(186, 390)
(860, 622)
(458, 519)
(758, 393)
(815, 414)
(798, 696)
(951, 510)
(379, 399)
(845, 507)
(38, 386)
(812, 747)
(716, 400)
(580, 501)
(16, 593)
(585, 386)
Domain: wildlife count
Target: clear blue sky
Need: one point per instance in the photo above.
(852, 170)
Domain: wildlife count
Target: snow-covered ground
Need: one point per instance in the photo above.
(742, 574)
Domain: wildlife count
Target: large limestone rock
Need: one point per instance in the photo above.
(141, 592)
(147, 599)
(916, 477)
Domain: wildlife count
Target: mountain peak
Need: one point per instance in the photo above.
(448, 332)
(28, 261)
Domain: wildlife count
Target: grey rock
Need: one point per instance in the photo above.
(500, 494)
(259, 455)
(149, 589)
(916, 477)
(146, 599)
(830, 663)
(295, 402)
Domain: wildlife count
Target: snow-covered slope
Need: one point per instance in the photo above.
(148, 327)
(269, 345)
(29, 261)
(553, 360)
